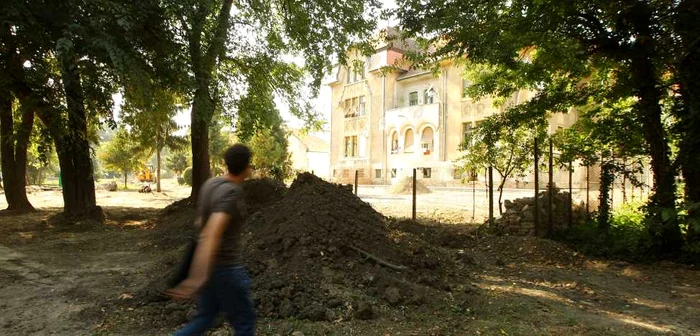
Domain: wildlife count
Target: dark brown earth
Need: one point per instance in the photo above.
(302, 252)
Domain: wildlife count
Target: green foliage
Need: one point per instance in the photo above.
(187, 176)
(508, 151)
(270, 156)
(618, 60)
(122, 154)
(177, 162)
(626, 237)
(151, 119)
(219, 141)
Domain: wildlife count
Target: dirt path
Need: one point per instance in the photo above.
(51, 281)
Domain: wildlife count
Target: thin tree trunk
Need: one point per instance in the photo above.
(14, 154)
(500, 195)
(126, 174)
(158, 170)
(606, 181)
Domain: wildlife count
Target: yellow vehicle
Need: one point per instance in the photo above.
(146, 174)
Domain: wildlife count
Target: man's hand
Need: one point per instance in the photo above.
(186, 290)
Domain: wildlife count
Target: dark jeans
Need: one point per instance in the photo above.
(228, 290)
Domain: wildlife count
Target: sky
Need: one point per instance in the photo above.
(322, 103)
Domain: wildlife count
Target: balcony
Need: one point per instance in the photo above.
(415, 116)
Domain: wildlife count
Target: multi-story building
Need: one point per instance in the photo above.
(388, 119)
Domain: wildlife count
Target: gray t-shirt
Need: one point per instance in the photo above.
(221, 195)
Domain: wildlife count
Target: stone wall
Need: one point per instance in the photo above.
(519, 215)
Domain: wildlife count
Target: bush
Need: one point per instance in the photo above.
(187, 176)
(624, 239)
(180, 180)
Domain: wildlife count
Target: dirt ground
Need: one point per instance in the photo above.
(75, 281)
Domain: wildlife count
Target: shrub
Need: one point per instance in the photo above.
(624, 239)
(187, 176)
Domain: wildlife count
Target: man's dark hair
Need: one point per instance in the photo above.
(237, 158)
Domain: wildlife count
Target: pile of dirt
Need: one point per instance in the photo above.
(320, 253)
(262, 192)
(404, 186)
(174, 227)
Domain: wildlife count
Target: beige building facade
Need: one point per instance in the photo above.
(385, 122)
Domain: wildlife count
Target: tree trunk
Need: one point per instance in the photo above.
(689, 69)
(203, 106)
(500, 195)
(14, 154)
(663, 223)
(201, 115)
(158, 170)
(126, 175)
(606, 181)
(74, 149)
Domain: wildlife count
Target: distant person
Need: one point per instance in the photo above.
(217, 276)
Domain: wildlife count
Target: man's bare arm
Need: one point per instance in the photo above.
(208, 244)
(204, 255)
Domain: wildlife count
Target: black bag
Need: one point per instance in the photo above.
(184, 269)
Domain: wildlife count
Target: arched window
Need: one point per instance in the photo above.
(426, 140)
(394, 142)
(408, 141)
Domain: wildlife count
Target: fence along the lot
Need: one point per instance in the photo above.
(549, 176)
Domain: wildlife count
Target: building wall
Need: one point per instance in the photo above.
(318, 163)
(297, 151)
(387, 111)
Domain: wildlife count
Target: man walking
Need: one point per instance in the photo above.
(217, 275)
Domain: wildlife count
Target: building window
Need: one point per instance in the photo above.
(335, 173)
(466, 131)
(395, 142)
(408, 141)
(393, 173)
(360, 173)
(428, 96)
(356, 72)
(426, 141)
(413, 98)
(346, 173)
(465, 84)
(361, 108)
(427, 172)
(378, 173)
(351, 146)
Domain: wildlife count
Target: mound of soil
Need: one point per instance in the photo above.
(404, 186)
(260, 193)
(320, 253)
(321, 246)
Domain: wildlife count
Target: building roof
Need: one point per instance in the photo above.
(312, 143)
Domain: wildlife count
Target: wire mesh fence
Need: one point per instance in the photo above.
(566, 192)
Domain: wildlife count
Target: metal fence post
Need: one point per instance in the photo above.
(413, 212)
(588, 192)
(473, 199)
(538, 229)
(356, 179)
(491, 196)
(550, 208)
(571, 194)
